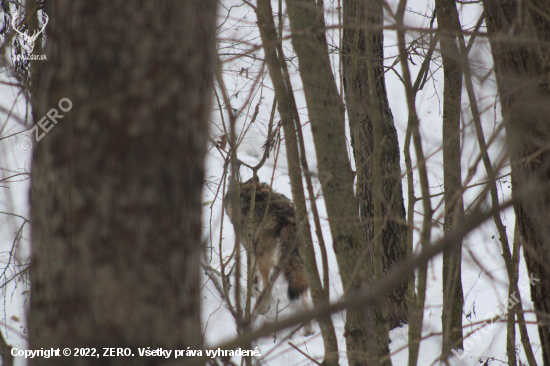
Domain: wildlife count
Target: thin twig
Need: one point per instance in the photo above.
(305, 354)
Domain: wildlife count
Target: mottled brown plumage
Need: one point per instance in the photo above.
(274, 237)
(271, 231)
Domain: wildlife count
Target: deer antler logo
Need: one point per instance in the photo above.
(29, 40)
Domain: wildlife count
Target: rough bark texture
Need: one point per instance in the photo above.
(520, 46)
(116, 185)
(285, 104)
(357, 16)
(453, 299)
(327, 123)
(5, 352)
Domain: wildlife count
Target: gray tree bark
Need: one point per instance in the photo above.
(519, 36)
(116, 183)
(328, 126)
(287, 109)
(453, 299)
(358, 17)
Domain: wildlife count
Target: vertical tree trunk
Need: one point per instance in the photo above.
(116, 185)
(453, 299)
(287, 109)
(519, 36)
(358, 16)
(327, 123)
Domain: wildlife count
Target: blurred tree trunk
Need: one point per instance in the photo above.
(520, 42)
(358, 16)
(326, 113)
(5, 352)
(116, 184)
(453, 299)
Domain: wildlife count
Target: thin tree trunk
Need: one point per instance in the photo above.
(453, 299)
(283, 93)
(327, 123)
(510, 262)
(518, 309)
(417, 316)
(303, 157)
(492, 176)
(359, 16)
(116, 185)
(519, 36)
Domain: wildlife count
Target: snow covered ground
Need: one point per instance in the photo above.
(484, 276)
